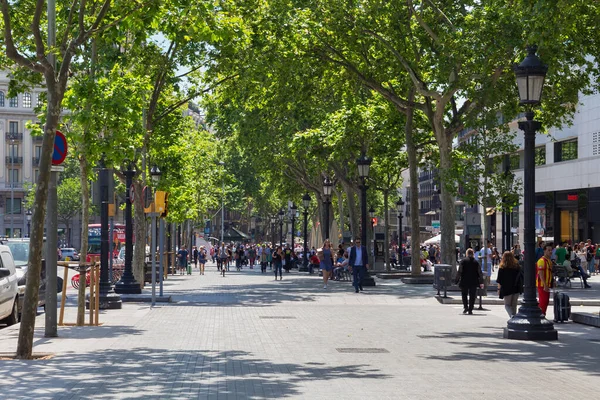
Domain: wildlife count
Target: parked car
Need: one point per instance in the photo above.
(69, 252)
(19, 248)
(9, 294)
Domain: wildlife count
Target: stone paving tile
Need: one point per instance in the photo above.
(212, 344)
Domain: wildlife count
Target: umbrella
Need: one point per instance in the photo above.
(438, 238)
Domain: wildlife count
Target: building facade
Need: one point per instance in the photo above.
(20, 155)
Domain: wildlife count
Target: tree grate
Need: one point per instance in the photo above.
(363, 350)
(277, 317)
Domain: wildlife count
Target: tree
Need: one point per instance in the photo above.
(69, 202)
(23, 42)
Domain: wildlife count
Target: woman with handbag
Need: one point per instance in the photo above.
(510, 282)
(469, 276)
(326, 260)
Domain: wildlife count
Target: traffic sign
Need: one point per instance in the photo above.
(60, 149)
(131, 193)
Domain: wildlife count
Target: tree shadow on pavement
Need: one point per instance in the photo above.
(571, 351)
(160, 373)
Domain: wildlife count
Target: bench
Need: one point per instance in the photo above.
(561, 274)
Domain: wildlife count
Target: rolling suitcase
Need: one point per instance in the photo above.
(562, 307)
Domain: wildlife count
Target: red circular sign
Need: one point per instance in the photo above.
(60, 149)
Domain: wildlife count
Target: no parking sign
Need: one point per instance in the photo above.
(60, 149)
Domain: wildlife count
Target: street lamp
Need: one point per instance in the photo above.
(273, 222)
(222, 164)
(305, 204)
(12, 137)
(399, 208)
(127, 284)
(28, 215)
(155, 174)
(529, 323)
(327, 188)
(281, 215)
(364, 164)
(293, 210)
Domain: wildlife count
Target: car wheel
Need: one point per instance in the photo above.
(13, 318)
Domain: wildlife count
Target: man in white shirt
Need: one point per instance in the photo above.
(485, 259)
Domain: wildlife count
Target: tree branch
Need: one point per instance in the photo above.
(63, 43)
(11, 50)
(423, 24)
(417, 82)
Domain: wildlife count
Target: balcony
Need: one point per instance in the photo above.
(14, 160)
(36, 161)
(18, 136)
(11, 185)
(37, 138)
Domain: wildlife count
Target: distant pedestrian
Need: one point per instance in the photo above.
(263, 259)
(202, 259)
(277, 262)
(326, 259)
(195, 255)
(222, 260)
(510, 282)
(469, 276)
(182, 256)
(359, 263)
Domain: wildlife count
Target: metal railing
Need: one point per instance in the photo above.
(14, 160)
(14, 135)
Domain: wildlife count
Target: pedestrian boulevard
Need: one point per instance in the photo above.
(247, 336)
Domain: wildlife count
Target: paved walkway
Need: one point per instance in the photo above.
(247, 336)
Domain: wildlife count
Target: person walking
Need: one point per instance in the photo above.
(182, 256)
(277, 262)
(359, 263)
(544, 279)
(222, 260)
(510, 282)
(263, 259)
(469, 276)
(202, 259)
(326, 261)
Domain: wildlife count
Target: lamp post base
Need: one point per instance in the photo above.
(530, 325)
(131, 287)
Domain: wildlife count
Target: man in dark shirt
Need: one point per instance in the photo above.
(182, 256)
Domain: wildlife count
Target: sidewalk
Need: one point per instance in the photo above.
(247, 336)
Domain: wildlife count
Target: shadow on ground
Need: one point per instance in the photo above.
(571, 351)
(169, 374)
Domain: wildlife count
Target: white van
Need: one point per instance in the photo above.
(9, 292)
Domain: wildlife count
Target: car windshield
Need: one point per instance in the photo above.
(20, 252)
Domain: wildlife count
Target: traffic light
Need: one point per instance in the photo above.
(147, 197)
(161, 200)
(374, 221)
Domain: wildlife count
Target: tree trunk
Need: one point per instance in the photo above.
(28, 314)
(447, 223)
(139, 251)
(386, 243)
(411, 150)
(85, 217)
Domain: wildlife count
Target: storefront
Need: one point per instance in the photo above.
(568, 216)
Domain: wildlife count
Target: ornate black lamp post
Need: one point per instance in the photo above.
(293, 210)
(327, 188)
(399, 208)
(280, 215)
(305, 204)
(28, 215)
(127, 284)
(273, 227)
(529, 323)
(364, 165)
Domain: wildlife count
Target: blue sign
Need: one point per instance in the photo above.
(60, 149)
(207, 230)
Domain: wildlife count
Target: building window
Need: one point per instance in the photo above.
(13, 150)
(565, 151)
(515, 161)
(13, 102)
(40, 99)
(1, 99)
(13, 208)
(13, 175)
(27, 100)
(540, 155)
(36, 174)
(13, 127)
(38, 152)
